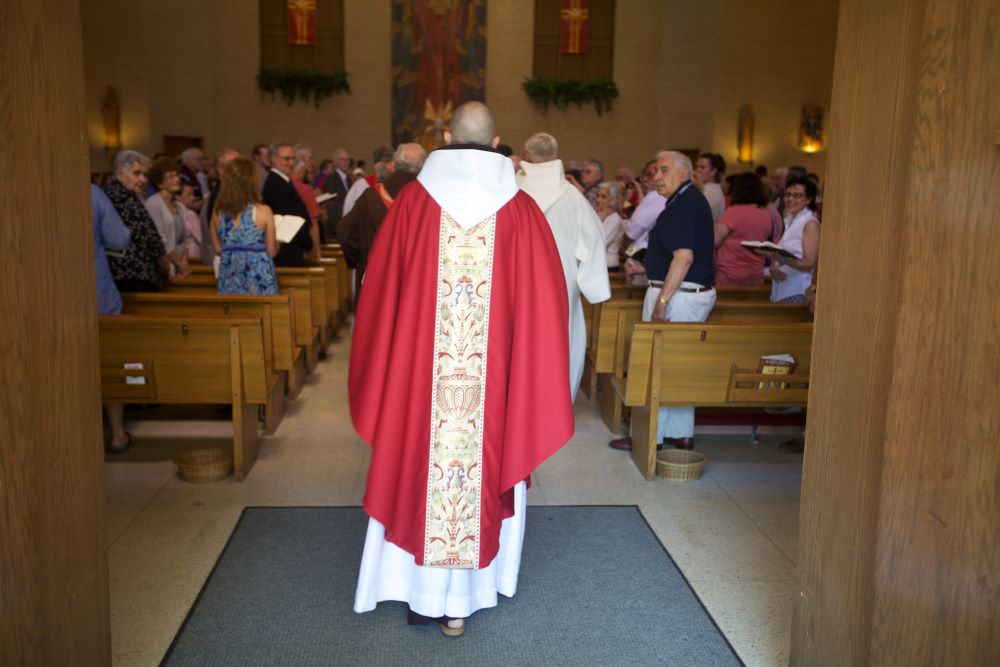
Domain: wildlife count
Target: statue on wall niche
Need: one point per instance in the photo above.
(437, 122)
(438, 58)
(111, 115)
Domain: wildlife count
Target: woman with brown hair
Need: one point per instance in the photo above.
(243, 233)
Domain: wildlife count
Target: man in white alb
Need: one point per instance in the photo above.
(579, 238)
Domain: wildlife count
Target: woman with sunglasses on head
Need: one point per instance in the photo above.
(801, 238)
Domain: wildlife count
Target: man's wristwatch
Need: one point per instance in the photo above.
(662, 301)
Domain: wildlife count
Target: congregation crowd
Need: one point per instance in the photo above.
(154, 218)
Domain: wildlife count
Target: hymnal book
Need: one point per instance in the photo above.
(764, 247)
(325, 197)
(287, 226)
(775, 364)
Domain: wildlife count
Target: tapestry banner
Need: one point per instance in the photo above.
(438, 62)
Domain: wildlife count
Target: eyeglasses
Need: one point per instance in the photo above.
(795, 195)
(286, 158)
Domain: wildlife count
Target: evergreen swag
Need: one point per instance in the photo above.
(291, 82)
(562, 92)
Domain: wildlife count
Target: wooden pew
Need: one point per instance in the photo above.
(343, 277)
(710, 365)
(607, 357)
(332, 275)
(760, 294)
(275, 311)
(317, 287)
(190, 361)
(300, 289)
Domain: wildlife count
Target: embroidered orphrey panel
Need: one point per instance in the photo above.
(454, 480)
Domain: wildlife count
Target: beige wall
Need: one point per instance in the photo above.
(683, 70)
(776, 56)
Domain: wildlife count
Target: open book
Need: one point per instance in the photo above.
(287, 226)
(325, 197)
(764, 247)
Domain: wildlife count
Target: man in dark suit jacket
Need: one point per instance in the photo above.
(339, 183)
(281, 196)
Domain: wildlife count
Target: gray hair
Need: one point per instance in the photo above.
(273, 149)
(303, 151)
(409, 158)
(124, 159)
(542, 146)
(596, 164)
(381, 154)
(188, 153)
(614, 191)
(300, 162)
(473, 123)
(679, 159)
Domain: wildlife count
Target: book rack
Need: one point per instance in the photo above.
(744, 388)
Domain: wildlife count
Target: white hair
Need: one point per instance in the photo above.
(679, 160)
(123, 159)
(542, 146)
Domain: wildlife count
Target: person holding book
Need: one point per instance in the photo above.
(793, 275)
(243, 233)
(746, 219)
(282, 198)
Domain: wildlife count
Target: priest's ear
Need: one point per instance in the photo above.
(447, 136)
(495, 142)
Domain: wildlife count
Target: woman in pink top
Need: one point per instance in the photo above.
(746, 219)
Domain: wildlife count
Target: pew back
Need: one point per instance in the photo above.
(693, 363)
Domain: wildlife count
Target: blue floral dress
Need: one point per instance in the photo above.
(245, 267)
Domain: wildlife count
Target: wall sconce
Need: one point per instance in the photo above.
(744, 136)
(111, 113)
(811, 129)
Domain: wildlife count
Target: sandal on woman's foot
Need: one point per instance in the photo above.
(122, 448)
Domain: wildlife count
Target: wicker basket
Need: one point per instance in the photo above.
(204, 465)
(680, 464)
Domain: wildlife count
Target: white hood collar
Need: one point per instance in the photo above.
(468, 184)
(544, 181)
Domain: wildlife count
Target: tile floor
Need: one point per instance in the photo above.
(733, 532)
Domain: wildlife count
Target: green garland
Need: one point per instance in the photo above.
(563, 92)
(292, 82)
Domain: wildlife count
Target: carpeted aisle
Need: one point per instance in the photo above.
(596, 588)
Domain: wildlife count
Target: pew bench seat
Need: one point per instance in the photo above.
(189, 361)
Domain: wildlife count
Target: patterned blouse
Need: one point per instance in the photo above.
(145, 247)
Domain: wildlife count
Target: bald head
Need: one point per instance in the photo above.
(473, 123)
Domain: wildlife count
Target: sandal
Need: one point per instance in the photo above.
(413, 618)
(122, 448)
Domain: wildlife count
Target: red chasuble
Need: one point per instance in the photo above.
(458, 371)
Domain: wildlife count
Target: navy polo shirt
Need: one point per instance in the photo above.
(686, 222)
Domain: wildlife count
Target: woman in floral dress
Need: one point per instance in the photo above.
(243, 233)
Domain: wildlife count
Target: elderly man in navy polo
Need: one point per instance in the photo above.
(680, 270)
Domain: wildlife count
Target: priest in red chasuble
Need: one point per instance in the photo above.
(457, 380)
